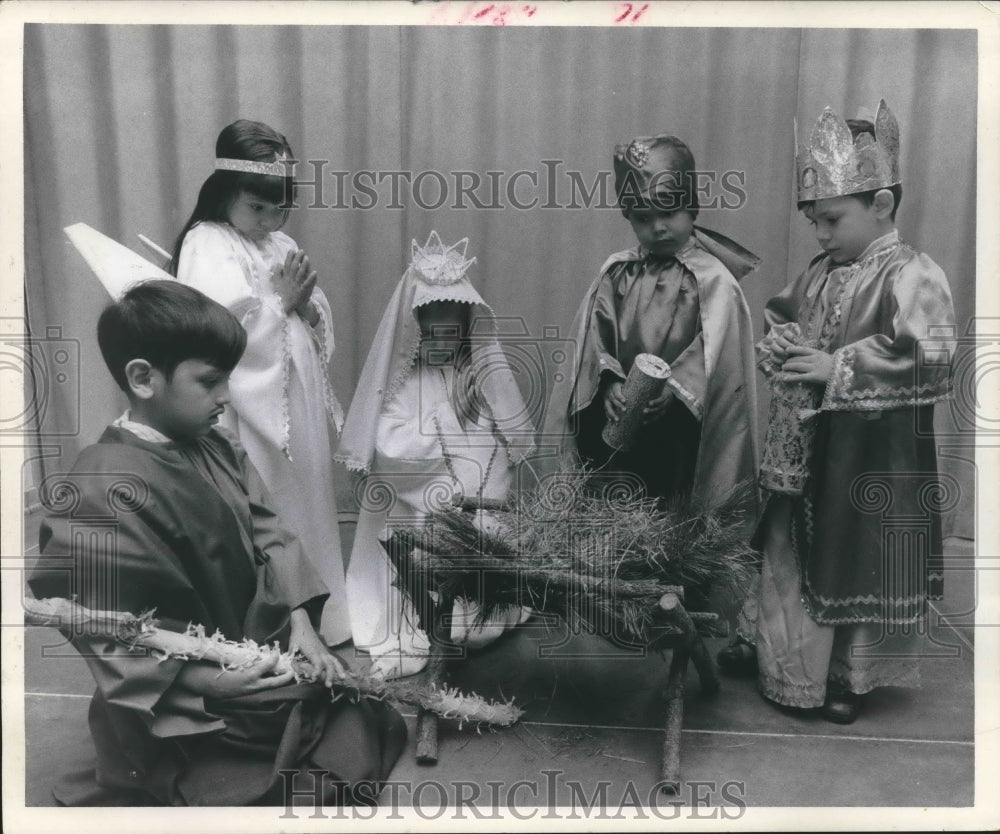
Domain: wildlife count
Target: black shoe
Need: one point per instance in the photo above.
(738, 658)
(841, 706)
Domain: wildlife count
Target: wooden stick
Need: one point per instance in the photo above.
(670, 772)
(142, 632)
(671, 605)
(152, 247)
(427, 721)
(531, 575)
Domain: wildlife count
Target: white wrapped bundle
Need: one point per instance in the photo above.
(645, 381)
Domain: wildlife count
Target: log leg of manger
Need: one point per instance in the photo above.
(671, 768)
(427, 721)
(427, 737)
(705, 666)
(672, 606)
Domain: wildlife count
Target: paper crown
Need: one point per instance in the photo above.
(834, 164)
(281, 167)
(657, 170)
(117, 267)
(437, 264)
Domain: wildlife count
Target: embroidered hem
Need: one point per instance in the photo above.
(819, 607)
(800, 695)
(877, 672)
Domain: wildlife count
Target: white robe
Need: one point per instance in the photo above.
(423, 458)
(282, 403)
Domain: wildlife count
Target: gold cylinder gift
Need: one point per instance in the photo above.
(644, 382)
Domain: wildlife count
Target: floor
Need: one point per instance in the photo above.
(591, 736)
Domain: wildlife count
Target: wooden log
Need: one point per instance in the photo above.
(646, 380)
(670, 773)
(705, 666)
(533, 577)
(427, 721)
(672, 606)
(194, 645)
(489, 504)
(427, 737)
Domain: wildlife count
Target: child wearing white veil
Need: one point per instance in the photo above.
(437, 415)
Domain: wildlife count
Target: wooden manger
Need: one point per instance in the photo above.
(451, 556)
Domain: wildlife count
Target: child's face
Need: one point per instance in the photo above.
(844, 226)
(188, 404)
(442, 328)
(661, 232)
(256, 217)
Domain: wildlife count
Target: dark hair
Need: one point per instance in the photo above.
(866, 198)
(165, 323)
(242, 139)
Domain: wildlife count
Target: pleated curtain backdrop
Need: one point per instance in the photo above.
(121, 121)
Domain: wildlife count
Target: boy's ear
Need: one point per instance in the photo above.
(139, 374)
(884, 203)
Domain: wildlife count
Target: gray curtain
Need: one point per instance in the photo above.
(120, 125)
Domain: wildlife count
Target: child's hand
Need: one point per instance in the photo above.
(614, 401)
(779, 346)
(211, 681)
(655, 407)
(305, 640)
(806, 364)
(294, 282)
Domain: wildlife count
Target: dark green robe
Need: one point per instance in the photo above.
(186, 529)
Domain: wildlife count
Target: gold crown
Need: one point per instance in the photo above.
(282, 166)
(834, 164)
(435, 263)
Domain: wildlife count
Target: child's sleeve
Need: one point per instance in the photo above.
(402, 435)
(780, 316)
(322, 331)
(602, 330)
(688, 379)
(295, 579)
(120, 573)
(911, 364)
(209, 264)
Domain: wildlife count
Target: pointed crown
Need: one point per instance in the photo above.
(835, 164)
(435, 263)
